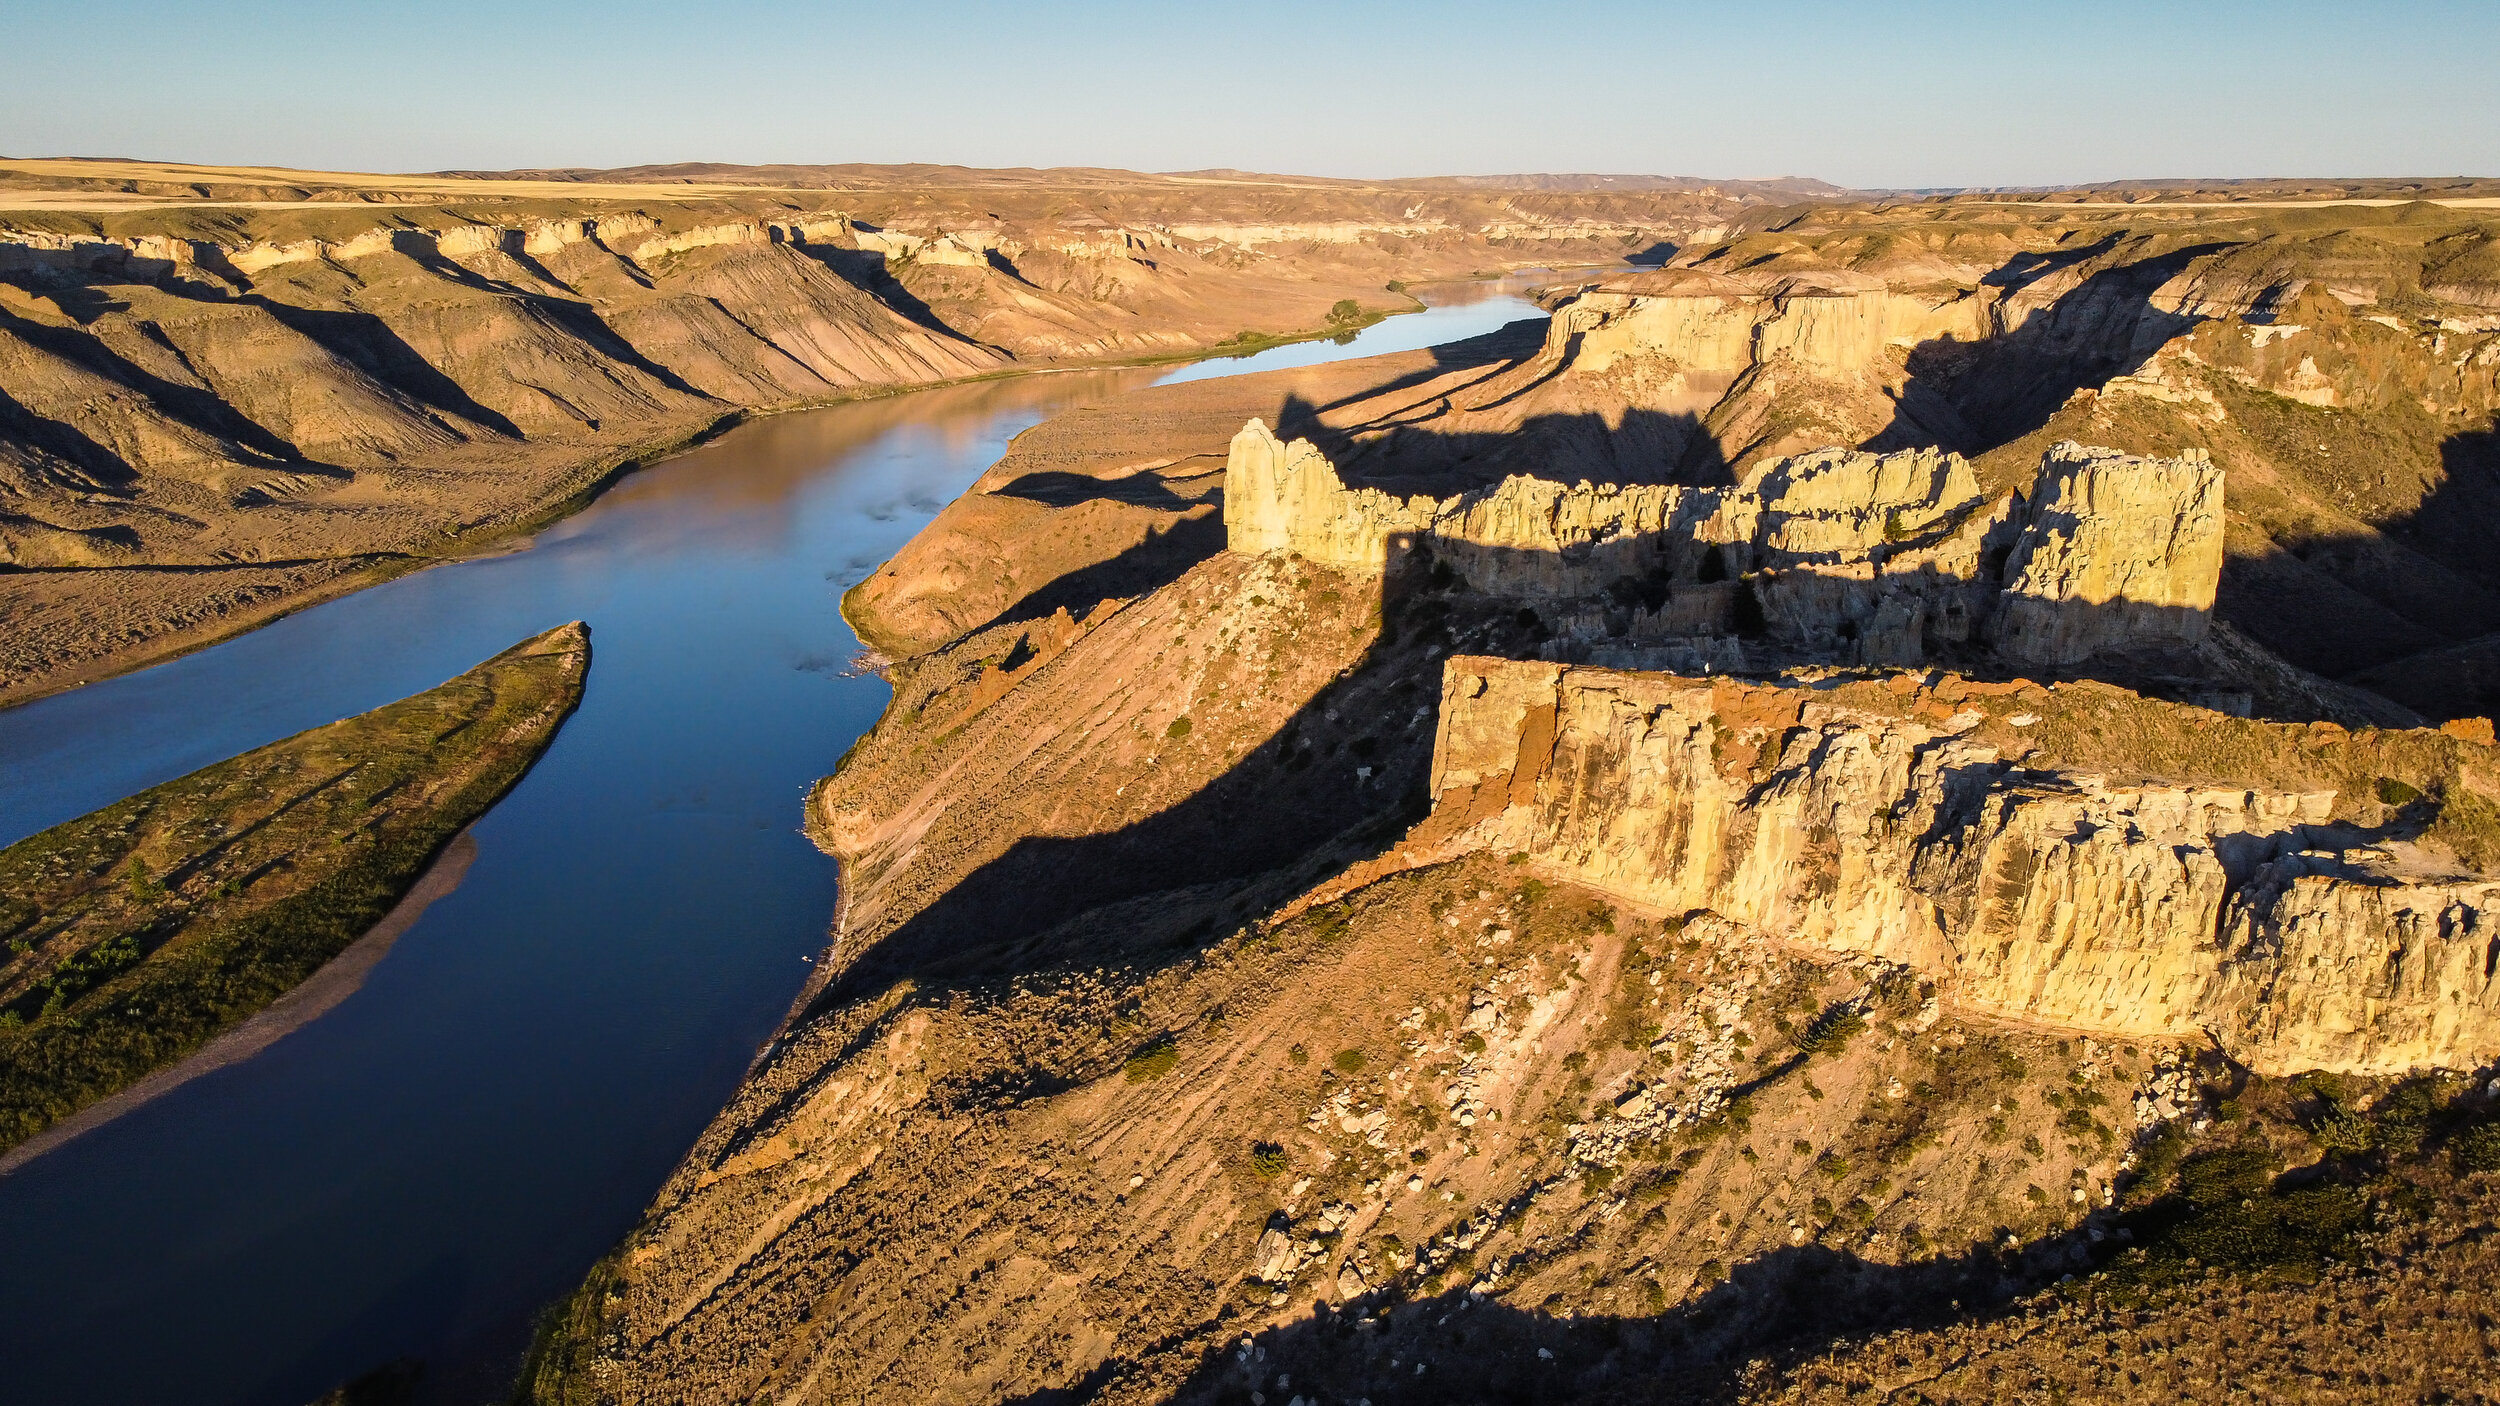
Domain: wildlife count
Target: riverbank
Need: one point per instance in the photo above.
(100, 600)
(337, 979)
(142, 933)
(511, 1085)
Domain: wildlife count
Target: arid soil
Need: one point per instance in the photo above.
(1035, 1132)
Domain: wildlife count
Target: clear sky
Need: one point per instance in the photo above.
(1862, 92)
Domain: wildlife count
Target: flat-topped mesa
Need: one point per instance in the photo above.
(1843, 554)
(2152, 911)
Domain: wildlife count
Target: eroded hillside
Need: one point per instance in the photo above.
(1752, 847)
(225, 393)
(1124, 1088)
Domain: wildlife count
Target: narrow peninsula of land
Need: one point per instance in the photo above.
(138, 933)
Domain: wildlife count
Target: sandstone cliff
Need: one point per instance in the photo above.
(1851, 555)
(2176, 911)
(1068, 1112)
(2116, 549)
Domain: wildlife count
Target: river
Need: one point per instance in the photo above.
(414, 1174)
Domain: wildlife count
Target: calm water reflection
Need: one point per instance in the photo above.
(415, 1173)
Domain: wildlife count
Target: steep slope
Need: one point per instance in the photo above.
(1391, 959)
(1148, 1121)
(1149, 1067)
(223, 397)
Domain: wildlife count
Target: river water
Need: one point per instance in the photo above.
(413, 1175)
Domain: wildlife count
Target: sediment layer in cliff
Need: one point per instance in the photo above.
(1849, 555)
(2345, 927)
(1193, 1093)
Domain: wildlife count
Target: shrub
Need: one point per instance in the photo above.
(1348, 1061)
(2392, 792)
(2227, 1175)
(2477, 1149)
(1711, 1272)
(2159, 1163)
(1178, 730)
(1830, 1032)
(1346, 310)
(1267, 1158)
(1471, 1042)
(1153, 1060)
(1598, 1179)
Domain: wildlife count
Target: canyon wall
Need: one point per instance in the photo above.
(2185, 912)
(228, 411)
(2116, 548)
(1722, 324)
(1854, 555)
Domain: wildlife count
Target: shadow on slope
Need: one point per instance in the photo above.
(2409, 608)
(1339, 781)
(1290, 796)
(1780, 1307)
(2008, 385)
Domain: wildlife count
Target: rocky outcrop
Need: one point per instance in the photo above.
(1709, 324)
(2119, 551)
(1869, 558)
(1524, 536)
(2155, 911)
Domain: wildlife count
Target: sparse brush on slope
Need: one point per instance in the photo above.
(138, 933)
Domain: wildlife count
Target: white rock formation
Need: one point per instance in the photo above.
(1854, 555)
(2177, 912)
(2118, 552)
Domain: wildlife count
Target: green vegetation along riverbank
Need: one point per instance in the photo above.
(136, 934)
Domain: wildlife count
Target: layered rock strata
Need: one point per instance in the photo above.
(1858, 556)
(1707, 324)
(2157, 911)
(2117, 548)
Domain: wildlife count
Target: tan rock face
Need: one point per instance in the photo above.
(1524, 536)
(1707, 323)
(1850, 554)
(2119, 551)
(2146, 911)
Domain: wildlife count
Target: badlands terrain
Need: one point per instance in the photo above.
(1899, 807)
(227, 392)
(1894, 800)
